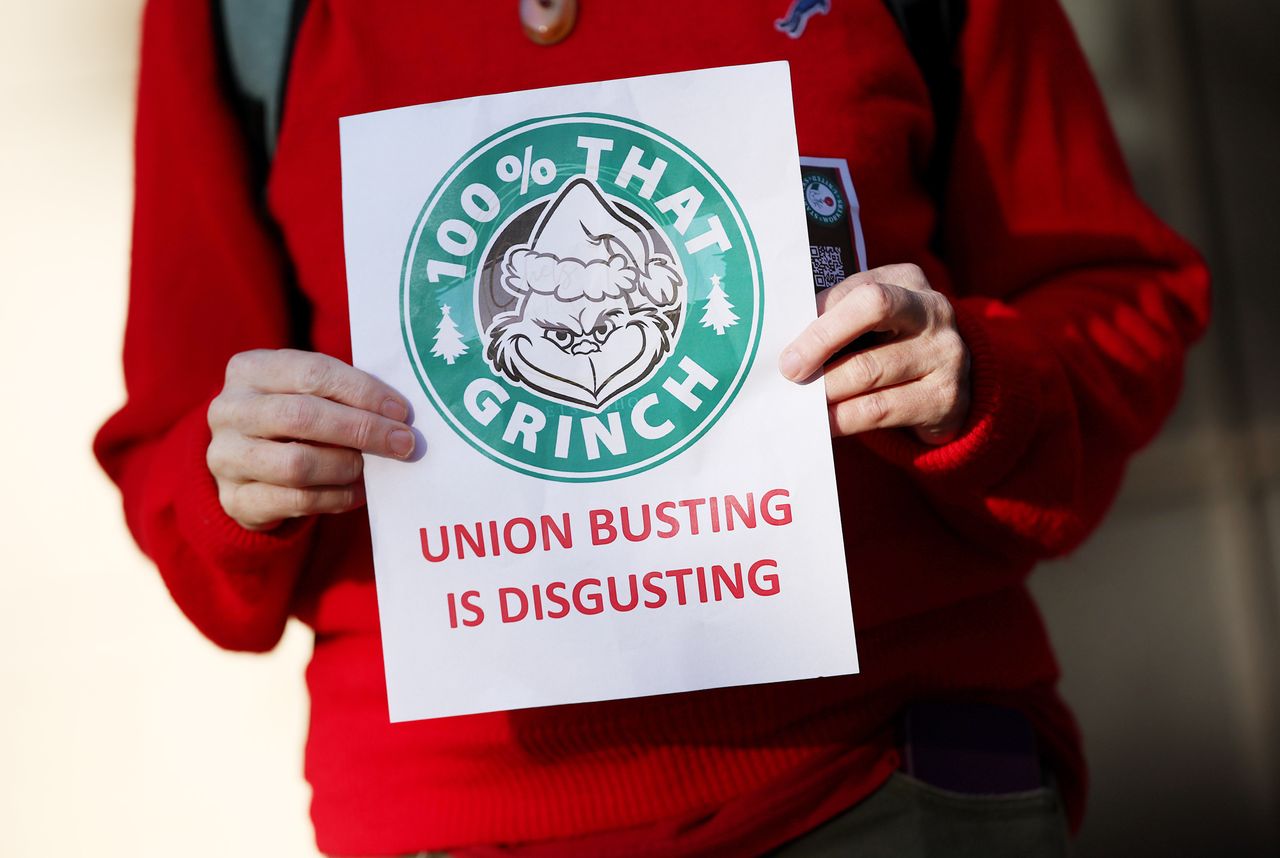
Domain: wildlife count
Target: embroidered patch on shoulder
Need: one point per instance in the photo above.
(798, 16)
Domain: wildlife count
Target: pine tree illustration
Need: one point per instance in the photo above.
(718, 311)
(448, 339)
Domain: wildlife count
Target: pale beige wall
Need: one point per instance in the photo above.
(122, 732)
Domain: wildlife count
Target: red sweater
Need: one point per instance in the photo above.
(1076, 303)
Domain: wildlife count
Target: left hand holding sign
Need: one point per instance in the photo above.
(917, 379)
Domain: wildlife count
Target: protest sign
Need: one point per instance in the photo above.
(583, 291)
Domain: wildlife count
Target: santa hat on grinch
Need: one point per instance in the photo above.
(583, 246)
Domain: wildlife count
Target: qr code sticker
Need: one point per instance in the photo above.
(828, 268)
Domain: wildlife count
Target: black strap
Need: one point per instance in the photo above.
(932, 31)
(256, 39)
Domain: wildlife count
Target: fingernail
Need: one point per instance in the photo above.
(790, 364)
(395, 409)
(401, 442)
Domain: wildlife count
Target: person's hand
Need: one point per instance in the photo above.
(917, 374)
(288, 430)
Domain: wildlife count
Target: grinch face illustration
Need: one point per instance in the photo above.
(596, 303)
(581, 297)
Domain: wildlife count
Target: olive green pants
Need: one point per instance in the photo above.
(907, 818)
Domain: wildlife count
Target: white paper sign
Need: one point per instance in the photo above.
(583, 291)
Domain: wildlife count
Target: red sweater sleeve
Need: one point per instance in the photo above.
(206, 282)
(1077, 304)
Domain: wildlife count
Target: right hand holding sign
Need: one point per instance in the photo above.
(289, 428)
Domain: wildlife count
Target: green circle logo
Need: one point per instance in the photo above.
(822, 199)
(581, 297)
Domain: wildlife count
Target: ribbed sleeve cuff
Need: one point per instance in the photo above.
(1003, 412)
(203, 523)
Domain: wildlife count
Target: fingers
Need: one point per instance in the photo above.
(311, 418)
(882, 366)
(261, 506)
(918, 379)
(288, 430)
(905, 405)
(910, 277)
(292, 371)
(853, 308)
(292, 464)
(906, 275)
(935, 406)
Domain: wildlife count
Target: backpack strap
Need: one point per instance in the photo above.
(932, 31)
(256, 39)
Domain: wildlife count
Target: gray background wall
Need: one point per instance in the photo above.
(1166, 621)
